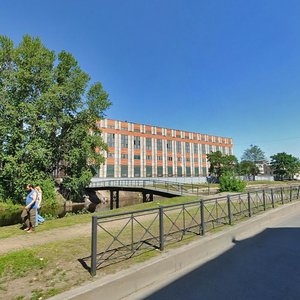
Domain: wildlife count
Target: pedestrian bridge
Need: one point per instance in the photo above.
(147, 187)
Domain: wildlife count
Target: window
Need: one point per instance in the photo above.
(148, 157)
(170, 171)
(178, 146)
(111, 126)
(195, 148)
(110, 139)
(148, 171)
(110, 155)
(210, 149)
(148, 143)
(203, 148)
(124, 171)
(124, 156)
(137, 171)
(137, 142)
(196, 171)
(179, 159)
(188, 171)
(159, 158)
(159, 171)
(95, 170)
(204, 171)
(110, 171)
(124, 141)
(170, 158)
(159, 144)
(137, 156)
(169, 145)
(179, 171)
(187, 147)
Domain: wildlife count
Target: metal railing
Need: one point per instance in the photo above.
(181, 188)
(123, 235)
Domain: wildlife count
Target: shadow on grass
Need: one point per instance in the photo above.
(142, 251)
(83, 261)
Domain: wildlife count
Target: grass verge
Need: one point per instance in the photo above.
(70, 220)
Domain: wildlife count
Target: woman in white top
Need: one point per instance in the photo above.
(39, 218)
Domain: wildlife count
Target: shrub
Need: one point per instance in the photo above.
(48, 188)
(230, 183)
(10, 213)
(51, 206)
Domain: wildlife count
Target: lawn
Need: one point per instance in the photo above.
(74, 219)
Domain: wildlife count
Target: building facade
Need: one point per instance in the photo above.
(137, 150)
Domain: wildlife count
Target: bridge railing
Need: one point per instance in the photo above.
(153, 184)
(120, 236)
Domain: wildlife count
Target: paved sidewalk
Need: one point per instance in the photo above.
(265, 266)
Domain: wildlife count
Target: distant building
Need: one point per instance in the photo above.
(137, 150)
(264, 167)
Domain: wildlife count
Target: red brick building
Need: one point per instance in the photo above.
(137, 150)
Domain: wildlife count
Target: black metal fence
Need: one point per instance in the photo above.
(123, 235)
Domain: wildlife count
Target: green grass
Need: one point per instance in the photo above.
(42, 294)
(20, 263)
(46, 270)
(271, 182)
(13, 230)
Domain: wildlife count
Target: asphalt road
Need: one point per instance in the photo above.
(266, 266)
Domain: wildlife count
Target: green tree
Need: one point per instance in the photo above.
(284, 165)
(48, 114)
(221, 163)
(253, 154)
(248, 168)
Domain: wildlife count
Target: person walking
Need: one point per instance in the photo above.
(29, 212)
(39, 218)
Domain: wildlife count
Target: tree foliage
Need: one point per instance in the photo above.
(284, 165)
(248, 168)
(48, 114)
(230, 183)
(221, 163)
(253, 154)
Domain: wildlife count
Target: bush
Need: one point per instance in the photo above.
(51, 206)
(10, 213)
(230, 183)
(48, 188)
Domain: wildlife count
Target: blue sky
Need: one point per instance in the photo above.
(227, 68)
